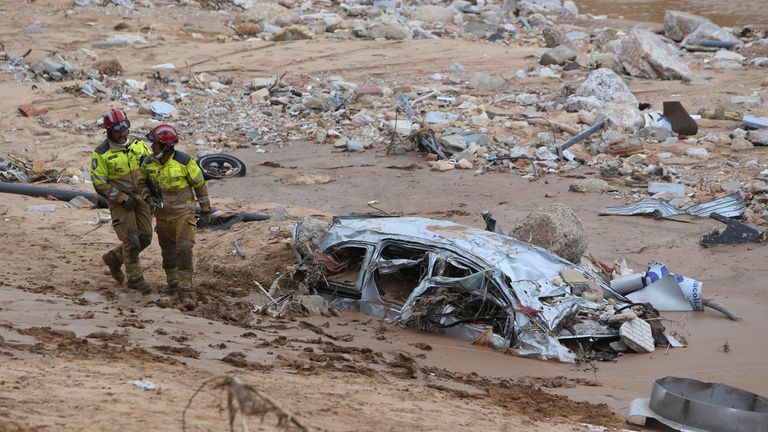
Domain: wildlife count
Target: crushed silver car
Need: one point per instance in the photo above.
(465, 282)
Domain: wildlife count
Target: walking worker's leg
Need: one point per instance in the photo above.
(143, 224)
(127, 230)
(166, 236)
(185, 241)
(114, 258)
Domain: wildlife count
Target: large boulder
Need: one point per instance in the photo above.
(433, 13)
(555, 228)
(677, 24)
(646, 55)
(709, 31)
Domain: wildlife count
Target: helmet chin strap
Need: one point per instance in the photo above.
(162, 153)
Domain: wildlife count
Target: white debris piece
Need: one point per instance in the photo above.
(637, 335)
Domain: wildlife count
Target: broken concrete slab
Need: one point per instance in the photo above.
(646, 55)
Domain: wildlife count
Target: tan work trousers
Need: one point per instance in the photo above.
(134, 229)
(176, 235)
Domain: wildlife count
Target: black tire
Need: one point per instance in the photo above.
(219, 166)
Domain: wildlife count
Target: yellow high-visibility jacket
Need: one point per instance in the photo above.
(116, 171)
(175, 181)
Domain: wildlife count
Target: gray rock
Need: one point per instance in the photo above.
(481, 80)
(479, 139)
(739, 143)
(709, 31)
(325, 21)
(318, 103)
(454, 143)
(310, 235)
(606, 86)
(245, 4)
(612, 137)
(758, 137)
(388, 27)
(697, 152)
(543, 5)
(270, 28)
(623, 115)
(355, 146)
(280, 213)
(677, 24)
(758, 187)
(590, 185)
(526, 99)
(730, 60)
(658, 134)
(555, 228)
(752, 101)
(608, 61)
(432, 13)
(479, 28)
(537, 20)
(570, 8)
(559, 55)
(519, 152)
(439, 117)
(356, 10)
(646, 55)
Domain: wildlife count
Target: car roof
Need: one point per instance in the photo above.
(516, 259)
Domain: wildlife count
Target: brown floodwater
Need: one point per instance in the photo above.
(722, 12)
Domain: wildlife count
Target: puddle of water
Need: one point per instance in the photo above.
(724, 13)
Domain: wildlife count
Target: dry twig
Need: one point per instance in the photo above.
(247, 400)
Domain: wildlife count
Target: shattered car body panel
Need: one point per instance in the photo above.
(458, 280)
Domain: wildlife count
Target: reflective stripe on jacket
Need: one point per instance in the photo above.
(175, 180)
(116, 171)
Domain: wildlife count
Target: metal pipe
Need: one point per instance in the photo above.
(42, 191)
(582, 136)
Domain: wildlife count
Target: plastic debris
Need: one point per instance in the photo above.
(162, 109)
(144, 385)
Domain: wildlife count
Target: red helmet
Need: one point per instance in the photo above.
(116, 119)
(164, 134)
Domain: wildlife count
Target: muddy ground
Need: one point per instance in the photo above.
(71, 341)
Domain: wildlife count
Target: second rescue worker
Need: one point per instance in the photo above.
(175, 180)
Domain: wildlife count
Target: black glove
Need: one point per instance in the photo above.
(129, 204)
(153, 203)
(205, 219)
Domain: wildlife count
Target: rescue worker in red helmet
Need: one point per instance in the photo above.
(174, 182)
(116, 175)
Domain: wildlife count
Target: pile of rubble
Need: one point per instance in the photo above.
(465, 119)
